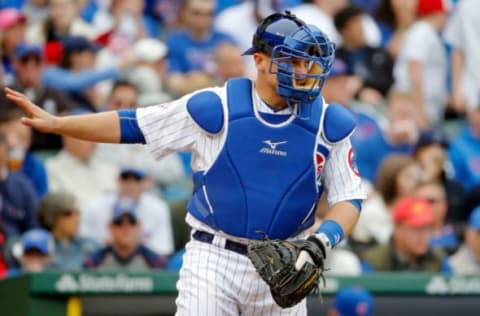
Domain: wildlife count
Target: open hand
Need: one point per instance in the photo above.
(37, 117)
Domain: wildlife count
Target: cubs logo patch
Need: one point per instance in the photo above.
(320, 162)
(352, 163)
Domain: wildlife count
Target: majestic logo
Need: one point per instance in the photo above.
(272, 148)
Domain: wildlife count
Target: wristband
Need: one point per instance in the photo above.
(332, 231)
(130, 132)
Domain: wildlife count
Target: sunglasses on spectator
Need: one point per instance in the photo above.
(197, 12)
(126, 176)
(68, 213)
(125, 220)
(25, 59)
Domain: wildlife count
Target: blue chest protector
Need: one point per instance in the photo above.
(263, 180)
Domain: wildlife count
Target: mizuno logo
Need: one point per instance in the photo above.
(272, 148)
(273, 145)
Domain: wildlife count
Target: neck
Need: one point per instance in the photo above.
(61, 235)
(268, 96)
(198, 34)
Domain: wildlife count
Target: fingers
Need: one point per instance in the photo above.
(21, 100)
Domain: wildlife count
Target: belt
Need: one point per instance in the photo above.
(229, 244)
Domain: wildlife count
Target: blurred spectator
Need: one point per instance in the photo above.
(75, 169)
(21, 157)
(321, 13)
(465, 151)
(431, 152)
(126, 250)
(150, 74)
(248, 14)
(462, 34)
(58, 213)
(421, 66)
(228, 63)
(394, 17)
(63, 20)
(443, 235)
(12, 33)
(77, 75)
(373, 66)
(398, 177)
(467, 259)
(191, 49)
(409, 247)
(398, 135)
(28, 66)
(3, 251)
(18, 199)
(35, 251)
(35, 10)
(352, 301)
(165, 172)
(152, 212)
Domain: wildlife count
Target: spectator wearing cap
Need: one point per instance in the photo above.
(77, 75)
(58, 213)
(126, 251)
(431, 152)
(421, 66)
(28, 66)
(444, 234)
(409, 248)
(167, 172)
(35, 251)
(463, 36)
(75, 169)
(352, 301)
(18, 199)
(21, 157)
(12, 32)
(464, 151)
(151, 211)
(63, 20)
(372, 65)
(466, 261)
(191, 49)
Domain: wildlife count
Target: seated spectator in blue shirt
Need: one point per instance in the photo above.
(34, 251)
(352, 301)
(76, 74)
(409, 248)
(21, 158)
(58, 213)
(465, 151)
(398, 135)
(18, 199)
(125, 251)
(191, 50)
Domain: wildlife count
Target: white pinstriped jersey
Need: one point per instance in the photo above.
(169, 128)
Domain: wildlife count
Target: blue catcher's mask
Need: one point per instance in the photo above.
(302, 63)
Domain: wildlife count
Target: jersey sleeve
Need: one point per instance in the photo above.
(341, 177)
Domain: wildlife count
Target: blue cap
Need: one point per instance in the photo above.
(124, 206)
(26, 49)
(474, 219)
(354, 301)
(39, 239)
(78, 44)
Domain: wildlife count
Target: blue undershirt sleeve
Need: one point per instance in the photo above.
(130, 132)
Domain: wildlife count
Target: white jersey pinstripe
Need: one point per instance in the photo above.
(169, 128)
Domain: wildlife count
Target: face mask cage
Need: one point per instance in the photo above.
(302, 64)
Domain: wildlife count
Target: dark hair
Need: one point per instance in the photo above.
(10, 115)
(123, 83)
(345, 15)
(384, 13)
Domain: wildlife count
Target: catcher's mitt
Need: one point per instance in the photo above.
(275, 261)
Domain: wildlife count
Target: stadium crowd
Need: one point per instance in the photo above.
(408, 69)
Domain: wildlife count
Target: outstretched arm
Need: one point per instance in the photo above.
(99, 127)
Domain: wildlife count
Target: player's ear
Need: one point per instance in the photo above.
(261, 61)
